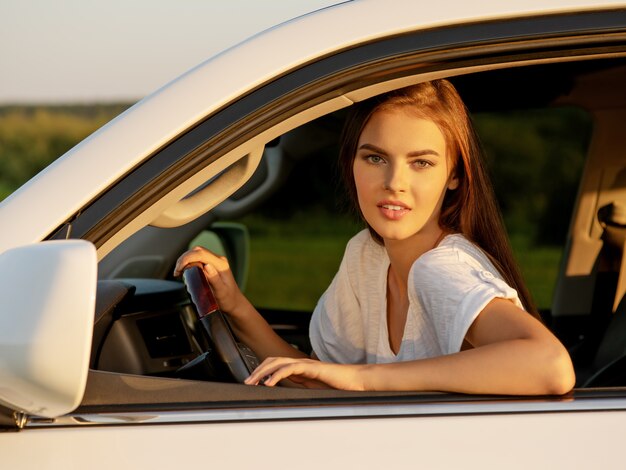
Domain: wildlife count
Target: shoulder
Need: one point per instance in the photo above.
(455, 264)
(459, 270)
(362, 250)
(361, 262)
(454, 251)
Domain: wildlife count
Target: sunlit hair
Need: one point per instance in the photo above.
(470, 209)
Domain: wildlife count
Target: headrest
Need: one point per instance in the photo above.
(612, 217)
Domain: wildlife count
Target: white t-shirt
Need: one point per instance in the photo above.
(448, 287)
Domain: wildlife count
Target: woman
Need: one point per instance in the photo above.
(428, 297)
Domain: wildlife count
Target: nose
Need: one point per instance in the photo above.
(395, 178)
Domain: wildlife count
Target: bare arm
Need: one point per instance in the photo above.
(248, 324)
(512, 353)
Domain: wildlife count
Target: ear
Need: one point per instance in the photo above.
(453, 182)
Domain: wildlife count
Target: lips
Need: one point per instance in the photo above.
(393, 210)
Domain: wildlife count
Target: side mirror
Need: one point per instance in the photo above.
(47, 305)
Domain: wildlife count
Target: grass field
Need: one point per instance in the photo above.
(540, 268)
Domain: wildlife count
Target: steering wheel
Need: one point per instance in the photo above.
(236, 358)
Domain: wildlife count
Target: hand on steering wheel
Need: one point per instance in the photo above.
(239, 360)
(218, 273)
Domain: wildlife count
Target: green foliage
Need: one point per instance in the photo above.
(540, 268)
(33, 136)
(535, 159)
(315, 222)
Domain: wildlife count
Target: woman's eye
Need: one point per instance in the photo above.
(374, 159)
(422, 163)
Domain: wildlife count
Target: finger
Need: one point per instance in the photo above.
(290, 370)
(277, 369)
(221, 281)
(220, 263)
(187, 258)
(257, 374)
(214, 271)
(199, 254)
(264, 370)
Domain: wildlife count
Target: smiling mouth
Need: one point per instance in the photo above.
(393, 211)
(392, 207)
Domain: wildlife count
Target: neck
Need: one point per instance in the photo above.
(403, 253)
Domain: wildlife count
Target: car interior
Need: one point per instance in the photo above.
(149, 346)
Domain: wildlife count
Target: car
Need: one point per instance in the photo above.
(102, 360)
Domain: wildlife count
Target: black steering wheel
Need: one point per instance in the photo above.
(234, 359)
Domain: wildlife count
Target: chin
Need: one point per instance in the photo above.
(394, 235)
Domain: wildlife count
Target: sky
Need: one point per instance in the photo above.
(84, 51)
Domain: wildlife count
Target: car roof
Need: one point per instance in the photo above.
(157, 119)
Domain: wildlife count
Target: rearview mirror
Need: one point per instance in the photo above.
(47, 304)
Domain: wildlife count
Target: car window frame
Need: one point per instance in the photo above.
(438, 49)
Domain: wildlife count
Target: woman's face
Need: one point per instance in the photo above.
(402, 172)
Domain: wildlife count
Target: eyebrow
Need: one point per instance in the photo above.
(415, 153)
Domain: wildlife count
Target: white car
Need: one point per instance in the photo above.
(101, 364)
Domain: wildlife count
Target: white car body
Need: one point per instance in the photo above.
(490, 432)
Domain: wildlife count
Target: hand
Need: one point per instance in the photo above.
(309, 373)
(218, 273)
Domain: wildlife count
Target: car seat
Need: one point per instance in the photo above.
(609, 363)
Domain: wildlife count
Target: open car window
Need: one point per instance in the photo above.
(538, 152)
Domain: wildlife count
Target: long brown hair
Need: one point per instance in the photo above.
(470, 209)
